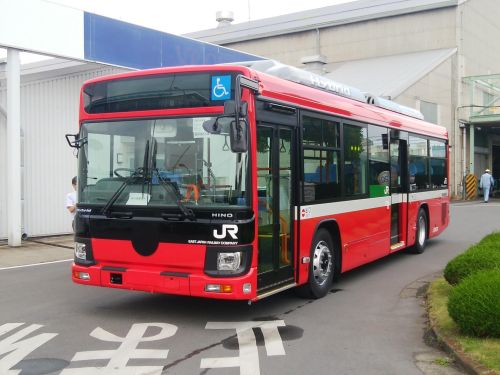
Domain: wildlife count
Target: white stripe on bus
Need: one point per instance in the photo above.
(398, 198)
(335, 208)
(424, 195)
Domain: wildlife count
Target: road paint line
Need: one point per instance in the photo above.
(35, 264)
(477, 205)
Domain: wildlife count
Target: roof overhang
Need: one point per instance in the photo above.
(389, 76)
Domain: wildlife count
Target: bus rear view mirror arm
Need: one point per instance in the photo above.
(74, 140)
(212, 126)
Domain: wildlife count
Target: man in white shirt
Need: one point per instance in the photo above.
(486, 183)
(71, 202)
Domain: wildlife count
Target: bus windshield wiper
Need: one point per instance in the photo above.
(139, 172)
(169, 186)
(142, 171)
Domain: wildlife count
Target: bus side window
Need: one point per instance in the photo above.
(418, 159)
(378, 159)
(321, 159)
(355, 158)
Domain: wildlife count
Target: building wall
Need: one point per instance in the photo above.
(480, 36)
(478, 41)
(386, 36)
(389, 36)
(49, 110)
(3, 166)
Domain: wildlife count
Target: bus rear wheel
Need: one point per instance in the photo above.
(421, 233)
(322, 266)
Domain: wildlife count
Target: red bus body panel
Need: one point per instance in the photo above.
(364, 233)
(181, 265)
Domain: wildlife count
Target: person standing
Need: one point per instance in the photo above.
(486, 183)
(71, 202)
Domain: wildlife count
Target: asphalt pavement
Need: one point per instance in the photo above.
(60, 249)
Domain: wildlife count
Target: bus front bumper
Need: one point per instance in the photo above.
(177, 283)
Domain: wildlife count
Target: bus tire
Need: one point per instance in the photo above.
(421, 233)
(322, 266)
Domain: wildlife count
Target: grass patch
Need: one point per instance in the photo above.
(445, 362)
(484, 351)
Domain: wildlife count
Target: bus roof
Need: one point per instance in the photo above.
(305, 97)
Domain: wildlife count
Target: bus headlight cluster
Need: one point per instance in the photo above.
(81, 250)
(84, 256)
(229, 261)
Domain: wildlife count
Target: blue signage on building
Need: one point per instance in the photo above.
(221, 88)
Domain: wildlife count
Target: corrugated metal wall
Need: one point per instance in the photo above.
(49, 110)
(3, 166)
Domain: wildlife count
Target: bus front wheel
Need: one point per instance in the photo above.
(322, 266)
(421, 233)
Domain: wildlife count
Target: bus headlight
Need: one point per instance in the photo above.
(80, 250)
(229, 261)
(84, 256)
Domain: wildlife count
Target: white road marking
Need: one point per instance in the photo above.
(17, 349)
(248, 360)
(119, 358)
(36, 264)
(482, 204)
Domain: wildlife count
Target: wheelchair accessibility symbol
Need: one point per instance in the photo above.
(221, 88)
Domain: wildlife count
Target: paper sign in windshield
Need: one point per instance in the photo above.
(138, 199)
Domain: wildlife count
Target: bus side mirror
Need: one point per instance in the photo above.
(238, 136)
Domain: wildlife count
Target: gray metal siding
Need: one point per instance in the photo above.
(3, 166)
(49, 110)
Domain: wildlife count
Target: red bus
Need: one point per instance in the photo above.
(238, 182)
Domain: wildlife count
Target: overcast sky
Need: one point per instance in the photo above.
(185, 16)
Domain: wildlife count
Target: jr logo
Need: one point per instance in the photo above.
(227, 228)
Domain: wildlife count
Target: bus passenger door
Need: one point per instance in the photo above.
(398, 189)
(275, 222)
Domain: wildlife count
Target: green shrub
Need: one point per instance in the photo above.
(474, 304)
(492, 239)
(482, 256)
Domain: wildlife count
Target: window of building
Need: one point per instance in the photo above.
(430, 111)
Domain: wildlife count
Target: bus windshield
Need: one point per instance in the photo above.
(171, 161)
